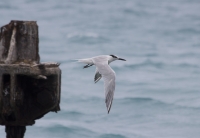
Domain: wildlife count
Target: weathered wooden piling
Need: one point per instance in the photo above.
(28, 89)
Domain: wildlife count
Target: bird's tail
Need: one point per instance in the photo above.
(85, 60)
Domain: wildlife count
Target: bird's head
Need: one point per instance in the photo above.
(114, 57)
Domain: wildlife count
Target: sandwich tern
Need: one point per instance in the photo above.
(104, 70)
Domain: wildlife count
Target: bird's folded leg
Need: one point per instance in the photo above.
(88, 65)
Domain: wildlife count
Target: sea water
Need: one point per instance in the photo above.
(157, 91)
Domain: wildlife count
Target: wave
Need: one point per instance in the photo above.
(159, 65)
(139, 99)
(60, 128)
(142, 101)
(73, 113)
(112, 136)
(79, 34)
(189, 31)
(183, 65)
(139, 13)
(64, 131)
(86, 37)
(146, 63)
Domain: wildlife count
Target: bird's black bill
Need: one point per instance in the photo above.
(121, 59)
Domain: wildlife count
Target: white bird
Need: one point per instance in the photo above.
(104, 70)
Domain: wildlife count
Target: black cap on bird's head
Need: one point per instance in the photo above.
(114, 56)
(117, 58)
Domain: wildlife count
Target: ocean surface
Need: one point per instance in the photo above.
(157, 89)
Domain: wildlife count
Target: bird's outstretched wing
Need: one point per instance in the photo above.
(109, 80)
(97, 76)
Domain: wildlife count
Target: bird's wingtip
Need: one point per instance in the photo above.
(109, 107)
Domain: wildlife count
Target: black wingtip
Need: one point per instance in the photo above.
(108, 111)
(109, 107)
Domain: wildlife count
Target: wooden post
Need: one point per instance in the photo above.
(28, 89)
(15, 131)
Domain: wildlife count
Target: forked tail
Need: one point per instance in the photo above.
(85, 60)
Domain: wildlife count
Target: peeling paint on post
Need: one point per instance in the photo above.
(28, 89)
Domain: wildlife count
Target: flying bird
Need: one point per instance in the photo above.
(104, 70)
